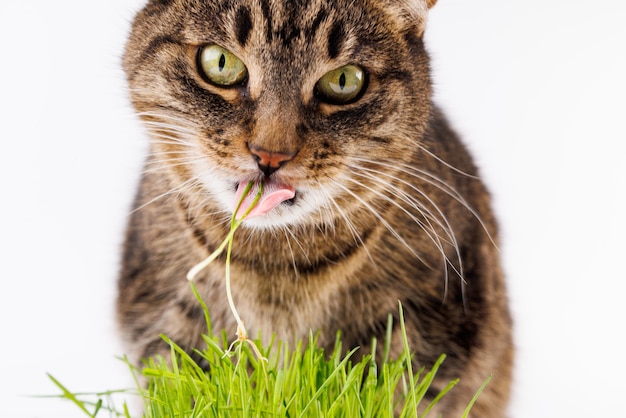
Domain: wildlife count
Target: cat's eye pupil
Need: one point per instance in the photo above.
(341, 86)
(342, 81)
(221, 67)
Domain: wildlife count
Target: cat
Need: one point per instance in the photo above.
(370, 197)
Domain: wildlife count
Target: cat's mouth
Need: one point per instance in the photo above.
(274, 194)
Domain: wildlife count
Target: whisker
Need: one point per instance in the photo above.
(287, 232)
(156, 167)
(441, 221)
(178, 189)
(166, 157)
(382, 221)
(350, 225)
(161, 139)
(438, 183)
(421, 175)
(176, 118)
(450, 166)
(429, 231)
(427, 228)
(168, 137)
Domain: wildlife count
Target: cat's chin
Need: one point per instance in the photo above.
(284, 215)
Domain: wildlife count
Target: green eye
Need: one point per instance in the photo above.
(342, 85)
(220, 66)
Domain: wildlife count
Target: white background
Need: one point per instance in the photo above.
(535, 87)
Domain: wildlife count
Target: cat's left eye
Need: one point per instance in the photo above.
(220, 66)
(342, 85)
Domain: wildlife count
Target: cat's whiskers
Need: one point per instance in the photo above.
(187, 188)
(380, 218)
(163, 164)
(169, 132)
(325, 225)
(426, 226)
(179, 133)
(167, 140)
(358, 240)
(165, 134)
(168, 117)
(159, 139)
(412, 202)
(288, 233)
(439, 218)
(327, 215)
(164, 161)
(175, 144)
(442, 161)
(434, 181)
(421, 175)
(179, 189)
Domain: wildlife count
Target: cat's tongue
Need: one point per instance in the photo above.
(274, 194)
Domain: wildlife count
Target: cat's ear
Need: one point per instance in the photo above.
(412, 12)
(424, 6)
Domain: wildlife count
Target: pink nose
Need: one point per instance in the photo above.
(269, 161)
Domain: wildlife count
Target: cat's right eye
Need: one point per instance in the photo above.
(342, 85)
(220, 66)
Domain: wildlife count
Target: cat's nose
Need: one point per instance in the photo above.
(270, 161)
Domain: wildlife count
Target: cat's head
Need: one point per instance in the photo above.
(313, 98)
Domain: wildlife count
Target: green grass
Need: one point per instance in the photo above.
(300, 381)
(249, 380)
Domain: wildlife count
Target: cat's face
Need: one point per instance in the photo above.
(322, 101)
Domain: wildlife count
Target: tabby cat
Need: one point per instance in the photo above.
(369, 196)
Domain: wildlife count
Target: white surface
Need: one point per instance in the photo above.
(535, 87)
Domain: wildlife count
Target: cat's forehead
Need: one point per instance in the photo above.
(293, 22)
(273, 22)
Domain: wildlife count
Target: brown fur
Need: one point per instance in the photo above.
(403, 215)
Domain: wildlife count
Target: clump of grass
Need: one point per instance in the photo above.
(246, 379)
(300, 381)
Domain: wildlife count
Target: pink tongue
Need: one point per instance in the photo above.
(273, 195)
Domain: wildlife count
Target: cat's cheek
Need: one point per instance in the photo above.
(219, 189)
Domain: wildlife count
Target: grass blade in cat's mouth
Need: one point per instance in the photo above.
(274, 193)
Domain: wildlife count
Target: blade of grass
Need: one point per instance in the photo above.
(409, 362)
(69, 395)
(440, 395)
(475, 398)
